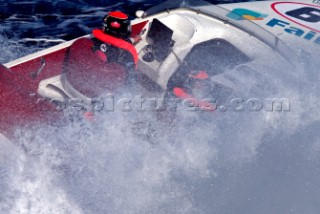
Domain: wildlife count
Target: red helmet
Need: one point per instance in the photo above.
(117, 24)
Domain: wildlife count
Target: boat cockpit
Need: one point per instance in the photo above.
(182, 37)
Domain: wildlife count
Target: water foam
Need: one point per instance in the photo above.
(131, 162)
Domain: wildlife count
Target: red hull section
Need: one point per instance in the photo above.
(54, 63)
(20, 104)
(90, 74)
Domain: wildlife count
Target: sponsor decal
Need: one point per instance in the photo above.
(309, 35)
(242, 14)
(306, 15)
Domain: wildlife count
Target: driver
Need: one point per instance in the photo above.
(112, 43)
(103, 63)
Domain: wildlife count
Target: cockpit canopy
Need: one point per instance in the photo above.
(186, 38)
(223, 15)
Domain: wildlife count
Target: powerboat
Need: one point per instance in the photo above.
(182, 49)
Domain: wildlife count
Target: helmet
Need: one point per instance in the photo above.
(116, 24)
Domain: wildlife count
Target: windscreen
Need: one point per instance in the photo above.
(159, 37)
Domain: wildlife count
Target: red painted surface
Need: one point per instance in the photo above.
(102, 55)
(136, 29)
(183, 95)
(18, 104)
(201, 75)
(115, 24)
(118, 15)
(54, 64)
(88, 73)
(21, 106)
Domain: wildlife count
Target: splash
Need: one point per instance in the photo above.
(134, 162)
(111, 166)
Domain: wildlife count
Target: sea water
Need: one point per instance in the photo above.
(132, 162)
